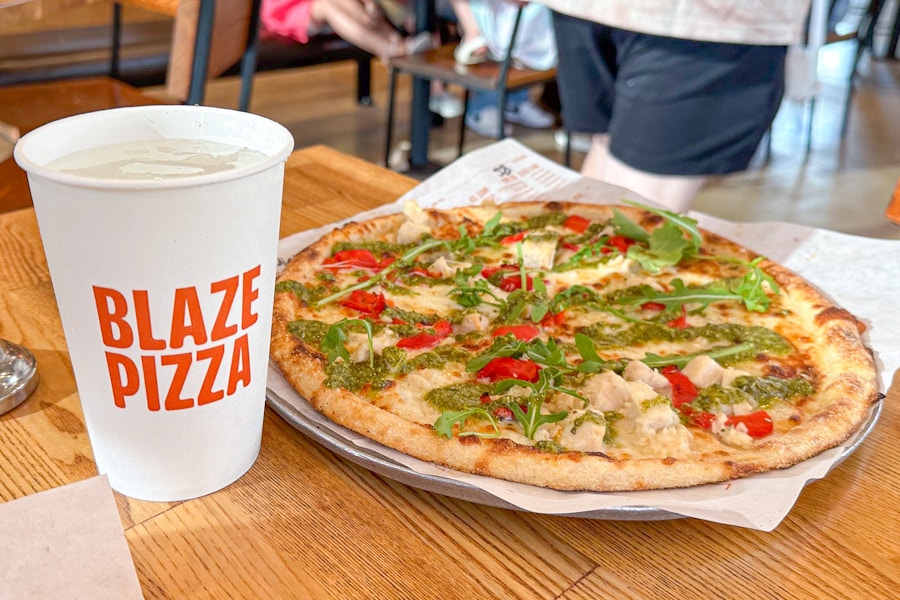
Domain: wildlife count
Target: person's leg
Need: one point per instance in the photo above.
(472, 48)
(363, 28)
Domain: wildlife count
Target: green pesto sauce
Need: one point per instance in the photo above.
(709, 399)
(354, 376)
(765, 392)
(648, 404)
(459, 396)
(769, 390)
(545, 220)
(311, 332)
(762, 339)
(589, 416)
(306, 294)
(376, 248)
(392, 312)
(549, 446)
(589, 235)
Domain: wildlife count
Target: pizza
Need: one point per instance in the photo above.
(569, 346)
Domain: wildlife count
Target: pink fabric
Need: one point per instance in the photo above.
(287, 17)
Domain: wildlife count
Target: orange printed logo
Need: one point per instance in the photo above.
(127, 321)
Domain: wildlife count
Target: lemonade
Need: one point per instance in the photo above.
(154, 159)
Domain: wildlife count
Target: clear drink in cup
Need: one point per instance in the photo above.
(160, 225)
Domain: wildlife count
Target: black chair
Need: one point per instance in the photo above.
(438, 64)
(196, 54)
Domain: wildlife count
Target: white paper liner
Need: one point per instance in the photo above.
(858, 273)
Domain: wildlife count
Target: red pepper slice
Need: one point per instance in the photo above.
(554, 320)
(576, 223)
(524, 333)
(514, 282)
(351, 259)
(657, 306)
(679, 322)
(571, 246)
(514, 238)
(509, 368)
(683, 390)
(620, 243)
(365, 302)
(486, 273)
(443, 328)
(759, 424)
(420, 341)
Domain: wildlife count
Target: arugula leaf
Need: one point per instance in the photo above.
(751, 288)
(444, 425)
(471, 295)
(512, 347)
(333, 342)
(666, 247)
(628, 228)
(686, 224)
(491, 224)
(656, 361)
(681, 295)
(533, 419)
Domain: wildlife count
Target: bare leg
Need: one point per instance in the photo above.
(464, 16)
(362, 28)
(674, 192)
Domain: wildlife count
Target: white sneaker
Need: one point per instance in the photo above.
(530, 115)
(581, 142)
(486, 122)
(445, 104)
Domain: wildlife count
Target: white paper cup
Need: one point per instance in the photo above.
(165, 291)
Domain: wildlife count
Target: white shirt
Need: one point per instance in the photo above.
(762, 22)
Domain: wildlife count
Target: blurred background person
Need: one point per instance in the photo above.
(360, 22)
(673, 91)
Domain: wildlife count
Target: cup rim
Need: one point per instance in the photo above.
(281, 136)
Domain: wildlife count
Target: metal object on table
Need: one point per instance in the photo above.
(18, 375)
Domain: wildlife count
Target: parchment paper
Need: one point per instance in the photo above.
(859, 273)
(66, 542)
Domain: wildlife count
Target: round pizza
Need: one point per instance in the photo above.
(569, 346)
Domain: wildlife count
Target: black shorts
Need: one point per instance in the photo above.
(670, 106)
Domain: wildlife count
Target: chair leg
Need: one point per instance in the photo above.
(462, 123)
(388, 138)
(567, 155)
(202, 46)
(364, 81)
(501, 106)
(809, 123)
(248, 59)
(116, 45)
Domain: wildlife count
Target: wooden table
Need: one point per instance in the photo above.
(304, 522)
(29, 106)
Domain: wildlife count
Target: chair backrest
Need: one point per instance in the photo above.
(229, 30)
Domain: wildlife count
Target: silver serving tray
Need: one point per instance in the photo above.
(386, 467)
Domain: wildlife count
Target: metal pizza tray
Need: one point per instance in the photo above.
(375, 462)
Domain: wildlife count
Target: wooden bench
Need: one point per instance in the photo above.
(85, 52)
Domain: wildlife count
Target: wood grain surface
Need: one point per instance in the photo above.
(305, 523)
